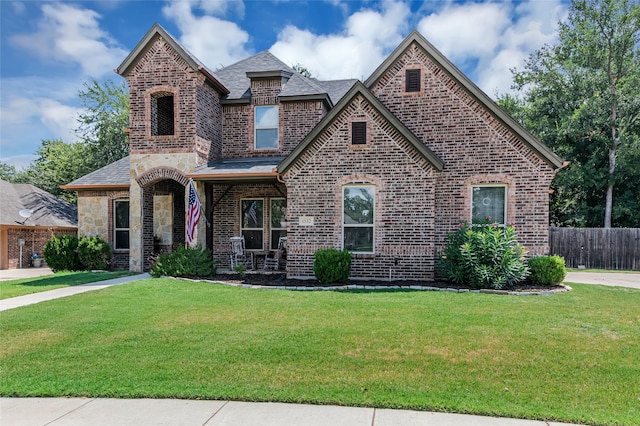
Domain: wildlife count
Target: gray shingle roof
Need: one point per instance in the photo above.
(234, 77)
(114, 175)
(47, 210)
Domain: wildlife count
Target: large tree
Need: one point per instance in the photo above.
(103, 123)
(582, 98)
(59, 163)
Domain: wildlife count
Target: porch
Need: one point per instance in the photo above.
(244, 198)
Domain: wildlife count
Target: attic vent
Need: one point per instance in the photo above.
(162, 115)
(413, 81)
(359, 133)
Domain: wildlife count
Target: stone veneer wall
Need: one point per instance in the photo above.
(474, 146)
(147, 170)
(404, 198)
(95, 218)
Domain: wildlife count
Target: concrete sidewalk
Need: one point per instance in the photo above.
(30, 299)
(152, 412)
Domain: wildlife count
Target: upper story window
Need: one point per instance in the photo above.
(489, 203)
(412, 83)
(266, 127)
(121, 224)
(358, 213)
(359, 133)
(162, 114)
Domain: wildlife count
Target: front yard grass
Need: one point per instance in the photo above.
(14, 288)
(568, 357)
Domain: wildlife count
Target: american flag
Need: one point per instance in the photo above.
(193, 214)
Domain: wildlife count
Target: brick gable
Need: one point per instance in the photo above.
(404, 182)
(473, 143)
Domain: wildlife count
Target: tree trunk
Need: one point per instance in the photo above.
(608, 209)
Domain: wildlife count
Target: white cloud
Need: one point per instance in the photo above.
(466, 31)
(496, 37)
(367, 37)
(213, 41)
(72, 35)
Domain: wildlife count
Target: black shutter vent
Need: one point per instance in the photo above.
(413, 80)
(358, 133)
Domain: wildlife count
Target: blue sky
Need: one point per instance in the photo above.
(50, 48)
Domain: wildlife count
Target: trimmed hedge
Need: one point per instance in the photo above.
(547, 270)
(70, 253)
(331, 265)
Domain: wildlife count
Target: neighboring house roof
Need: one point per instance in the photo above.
(143, 46)
(46, 209)
(112, 176)
(360, 89)
(238, 169)
(415, 37)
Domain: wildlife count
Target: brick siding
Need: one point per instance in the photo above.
(474, 146)
(404, 203)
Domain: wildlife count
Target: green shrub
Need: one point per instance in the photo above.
(61, 253)
(483, 256)
(547, 270)
(331, 265)
(185, 262)
(94, 253)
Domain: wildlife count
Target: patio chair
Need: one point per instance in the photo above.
(239, 254)
(278, 257)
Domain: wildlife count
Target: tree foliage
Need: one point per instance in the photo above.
(59, 163)
(102, 141)
(581, 99)
(102, 125)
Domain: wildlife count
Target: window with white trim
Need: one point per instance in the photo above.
(252, 222)
(489, 203)
(266, 127)
(121, 224)
(358, 212)
(278, 209)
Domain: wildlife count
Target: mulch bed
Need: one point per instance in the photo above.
(280, 280)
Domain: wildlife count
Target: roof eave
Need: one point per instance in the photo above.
(96, 187)
(226, 177)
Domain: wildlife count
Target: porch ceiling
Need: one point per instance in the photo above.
(238, 169)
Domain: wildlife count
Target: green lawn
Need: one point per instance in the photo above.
(570, 357)
(13, 288)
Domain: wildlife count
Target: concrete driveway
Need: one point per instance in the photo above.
(630, 279)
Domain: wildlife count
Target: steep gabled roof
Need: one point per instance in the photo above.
(114, 176)
(447, 66)
(359, 89)
(143, 46)
(46, 209)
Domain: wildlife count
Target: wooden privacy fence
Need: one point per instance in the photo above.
(613, 248)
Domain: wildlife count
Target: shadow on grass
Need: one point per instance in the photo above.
(23, 286)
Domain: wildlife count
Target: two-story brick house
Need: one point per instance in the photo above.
(384, 168)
